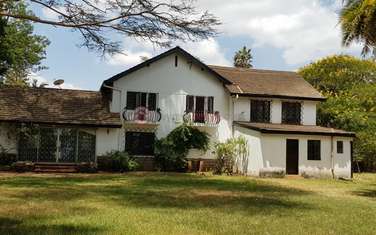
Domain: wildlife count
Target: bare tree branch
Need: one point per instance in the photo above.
(158, 21)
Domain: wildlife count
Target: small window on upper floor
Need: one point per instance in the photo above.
(260, 111)
(314, 150)
(339, 146)
(291, 113)
(141, 99)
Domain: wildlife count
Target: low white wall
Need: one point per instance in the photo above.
(8, 138)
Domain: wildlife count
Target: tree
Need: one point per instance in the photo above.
(243, 58)
(350, 86)
(158, 21)
(21, 52)
(339, 72)
(358, 20)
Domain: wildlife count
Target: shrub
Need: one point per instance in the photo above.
(272, 172)
(171, 152)
(6, 158)
(228, 152)
(117, 161)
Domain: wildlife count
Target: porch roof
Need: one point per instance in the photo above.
(56, 106)
(294, 129)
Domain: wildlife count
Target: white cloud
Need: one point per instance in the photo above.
(208, 51)
(42, 80)
(303, 29)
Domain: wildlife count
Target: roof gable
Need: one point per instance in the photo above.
(161, 56)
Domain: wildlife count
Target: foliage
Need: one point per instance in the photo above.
(117, 161)
(6, 158)
(243, 58)
(339, 72)
(157, 21)
(349, 84)
(228, 152)
(171, 152)
(21, 52)
(358, 20)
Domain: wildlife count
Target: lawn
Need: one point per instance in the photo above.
(153, 203)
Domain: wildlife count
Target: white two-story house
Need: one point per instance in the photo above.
(274, 110)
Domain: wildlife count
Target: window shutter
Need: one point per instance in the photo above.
(131, 100)
(152, 101)
(210, 104)
(189, 103)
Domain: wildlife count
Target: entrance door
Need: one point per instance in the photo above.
(200, 109)
(292, 156)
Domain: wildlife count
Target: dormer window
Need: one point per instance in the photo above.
(291, 113)
(260, 111)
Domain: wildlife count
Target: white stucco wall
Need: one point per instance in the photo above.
(172, 84)
(309, 112)
(8, 139)
(107, 140)
(269, 151)
(242, 110)
(254, 163)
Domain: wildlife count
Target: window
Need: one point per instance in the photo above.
(199, 104)
(141, 99)
(291, 112)
(314, 150)
(339, 146)
(139, 143)
(260, 111)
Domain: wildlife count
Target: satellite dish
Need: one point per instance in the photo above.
(58, 82)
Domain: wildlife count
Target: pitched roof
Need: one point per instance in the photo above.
(267, 83)
(163, 55)
(294, 129)
(56, 106)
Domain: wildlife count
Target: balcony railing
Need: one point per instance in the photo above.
(202, 118)
(142, 115)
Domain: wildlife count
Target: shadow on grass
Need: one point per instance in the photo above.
(17, 227)
(370, 193)
(179, 192)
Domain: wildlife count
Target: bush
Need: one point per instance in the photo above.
(273, 172)
(171, 152)
(117, 161)
(228, 152)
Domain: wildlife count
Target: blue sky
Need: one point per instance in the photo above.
(283, 35)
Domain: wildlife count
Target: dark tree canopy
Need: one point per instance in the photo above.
(21, 52)
(243, 58)
(161, 22)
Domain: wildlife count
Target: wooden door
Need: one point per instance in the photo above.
(292, 156)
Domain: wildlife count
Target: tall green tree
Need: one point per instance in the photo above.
(350, 86)
(21, 51)
(243, 58)
(358, 20)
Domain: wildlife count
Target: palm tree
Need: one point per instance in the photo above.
(243, 58)
(358, 21)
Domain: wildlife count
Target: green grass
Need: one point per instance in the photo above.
(184, 204)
